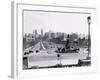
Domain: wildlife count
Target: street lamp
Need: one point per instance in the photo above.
(89, 40)
(59, 58)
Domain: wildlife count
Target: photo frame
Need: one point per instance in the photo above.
(52, 40)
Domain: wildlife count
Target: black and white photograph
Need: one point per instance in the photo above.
(56, 39)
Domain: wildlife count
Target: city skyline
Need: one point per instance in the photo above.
(42, 33)
(39, 32)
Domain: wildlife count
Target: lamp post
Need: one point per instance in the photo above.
(59, 58)
(89, 40)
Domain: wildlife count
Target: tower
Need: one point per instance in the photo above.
(41, 32)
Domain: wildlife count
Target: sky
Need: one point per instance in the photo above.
(56, 22)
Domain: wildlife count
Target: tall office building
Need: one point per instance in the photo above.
(41, 32)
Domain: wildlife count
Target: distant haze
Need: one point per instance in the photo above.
(57, 22)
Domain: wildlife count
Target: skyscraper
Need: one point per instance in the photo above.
(41, 32)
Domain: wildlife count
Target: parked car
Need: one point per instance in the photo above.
(37, 51)
(25, 53)
(30, 51)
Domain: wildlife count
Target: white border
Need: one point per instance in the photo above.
(17, 70)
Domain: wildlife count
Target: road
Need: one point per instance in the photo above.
(48, 57)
